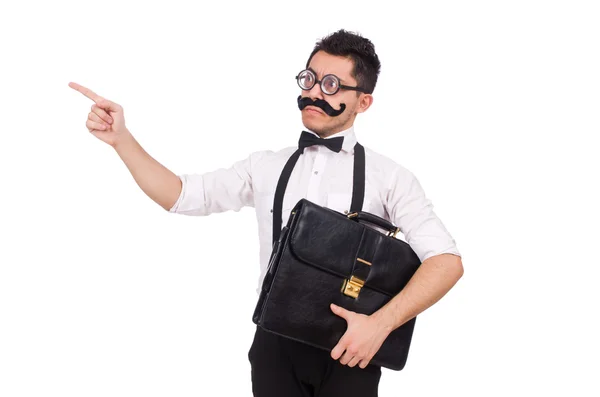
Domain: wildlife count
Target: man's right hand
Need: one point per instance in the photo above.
(106, 120)
(107, 123)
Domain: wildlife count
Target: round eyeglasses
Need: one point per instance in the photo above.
(330, 83)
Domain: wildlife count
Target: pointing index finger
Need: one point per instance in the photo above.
(86, 91)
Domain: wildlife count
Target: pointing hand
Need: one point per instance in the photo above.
(106, 120)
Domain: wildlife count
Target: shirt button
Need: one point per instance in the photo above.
(316, 172)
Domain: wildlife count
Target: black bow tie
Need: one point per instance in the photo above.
(307, 139)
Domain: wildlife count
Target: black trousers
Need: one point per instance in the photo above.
(285, 368)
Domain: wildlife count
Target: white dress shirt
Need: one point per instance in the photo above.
(325, 178)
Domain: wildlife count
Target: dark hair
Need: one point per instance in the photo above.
(359, 49)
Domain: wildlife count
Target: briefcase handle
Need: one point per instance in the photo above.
(376, 220)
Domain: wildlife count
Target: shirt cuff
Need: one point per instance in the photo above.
(451, 250)
(178, 202)
(191, 199)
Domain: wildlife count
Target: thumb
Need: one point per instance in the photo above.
(109, 105)
(340, 311)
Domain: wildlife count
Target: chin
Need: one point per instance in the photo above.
(314, 128)
(312, 124)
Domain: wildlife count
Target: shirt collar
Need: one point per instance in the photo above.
(349, 138)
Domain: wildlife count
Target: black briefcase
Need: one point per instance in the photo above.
(323, 256)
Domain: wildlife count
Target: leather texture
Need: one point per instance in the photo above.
(315, 254)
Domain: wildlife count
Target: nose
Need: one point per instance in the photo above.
(315, 92)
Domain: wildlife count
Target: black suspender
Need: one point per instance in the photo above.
(358, 187)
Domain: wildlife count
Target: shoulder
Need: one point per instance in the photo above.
(270, 156)
(265, 160)
(392, 170)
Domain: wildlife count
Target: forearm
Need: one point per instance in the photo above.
(158, 182)
(434, 278)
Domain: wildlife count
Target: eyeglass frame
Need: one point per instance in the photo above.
(317, 81)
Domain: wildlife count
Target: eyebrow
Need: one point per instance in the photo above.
(316, 74)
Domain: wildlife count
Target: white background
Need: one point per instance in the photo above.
(492, 105)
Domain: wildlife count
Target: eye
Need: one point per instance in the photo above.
(330, 84)
(306, 79)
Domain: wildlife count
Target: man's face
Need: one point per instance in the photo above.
(314, 118)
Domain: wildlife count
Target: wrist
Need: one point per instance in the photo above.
(384, 319)
(124, 141)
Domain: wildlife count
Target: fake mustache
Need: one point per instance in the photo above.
(321, 104)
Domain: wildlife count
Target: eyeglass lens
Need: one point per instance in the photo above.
(307, 80)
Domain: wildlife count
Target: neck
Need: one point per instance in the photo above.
(325, 134)
(329, 133)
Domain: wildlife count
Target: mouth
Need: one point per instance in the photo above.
(313, 109)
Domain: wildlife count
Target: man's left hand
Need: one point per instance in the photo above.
(362, 339)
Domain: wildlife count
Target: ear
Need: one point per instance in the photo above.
(364, 102)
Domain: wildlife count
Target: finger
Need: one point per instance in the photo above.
(85, 91)
(94, 117)
(92, 125)
(337, 351)
(109, 105)
(102, 114)
(363, 363)
(340, 311)
(355, 360)
(346, 358)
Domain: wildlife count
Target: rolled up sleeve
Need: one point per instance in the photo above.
(412, 212)
(225, 189)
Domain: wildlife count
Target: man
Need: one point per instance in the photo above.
(336, 85)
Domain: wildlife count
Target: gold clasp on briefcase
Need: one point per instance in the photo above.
(352, 287)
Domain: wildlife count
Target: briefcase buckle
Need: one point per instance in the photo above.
(393, 233)
(352, 287)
